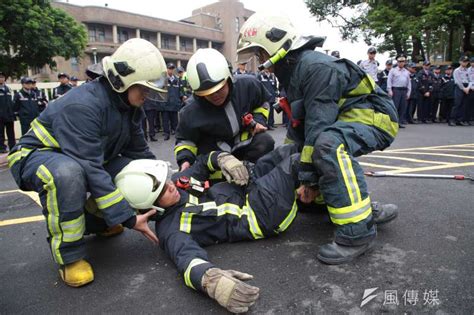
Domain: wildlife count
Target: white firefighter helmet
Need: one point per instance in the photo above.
(275, 34)
(207, 71)
(136, 61)
(141, 182)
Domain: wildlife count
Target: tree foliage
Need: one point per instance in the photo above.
(32, 32)
(421, 28)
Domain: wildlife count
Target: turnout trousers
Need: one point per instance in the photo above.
(341, 178)
(62, 187)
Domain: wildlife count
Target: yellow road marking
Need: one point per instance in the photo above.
(434, 147)
(404, 159)
(32, 194)
(429, 168)
(383, 166)
(434, 154)
(35, 218)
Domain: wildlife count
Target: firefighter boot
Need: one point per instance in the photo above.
(77, 274)
(336, 254)
(112, 231)
(384, 213)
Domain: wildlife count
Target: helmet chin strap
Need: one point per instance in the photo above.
(159, 210)
(280, 54)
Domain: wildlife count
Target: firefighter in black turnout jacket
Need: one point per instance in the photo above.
(76, 146)
(341, 114)
(226, 212)
(226, 113)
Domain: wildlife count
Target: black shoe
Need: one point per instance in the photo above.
(167, 137)
(461, 123)
(153, 139)
(335, 254)
(451, 123)
(470, 123)
(384, 213)
(401, 126)
(172, 132)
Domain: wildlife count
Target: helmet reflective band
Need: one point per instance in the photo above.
(141, 182)
(207, 71)
(136, 61)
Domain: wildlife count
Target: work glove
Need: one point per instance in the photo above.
(226, 287)
(233, 169)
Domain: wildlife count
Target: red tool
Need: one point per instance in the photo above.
(283, 105)
(248, 121)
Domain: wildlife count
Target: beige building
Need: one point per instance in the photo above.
(216, 25)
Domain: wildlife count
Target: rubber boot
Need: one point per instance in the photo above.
(335, 254)
(112, 231)
(384, 213)
(77, 274)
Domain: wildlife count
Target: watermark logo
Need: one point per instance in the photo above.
(368, 296)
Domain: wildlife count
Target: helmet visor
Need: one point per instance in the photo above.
(157, 89)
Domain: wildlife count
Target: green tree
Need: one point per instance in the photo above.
(32, 32)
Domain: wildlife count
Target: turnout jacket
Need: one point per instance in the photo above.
(322, 90)
(91, 124)
(204, 127)
(227, 212)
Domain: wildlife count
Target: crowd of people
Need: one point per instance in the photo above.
(87, 155)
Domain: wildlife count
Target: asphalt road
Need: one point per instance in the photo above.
(422, 263)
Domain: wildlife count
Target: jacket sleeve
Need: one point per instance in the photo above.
(78, 131)
(16, 103)
(187, 139)
(190, 259)
(261, 103)
(322, 89)
(137, 148)
(201, 170)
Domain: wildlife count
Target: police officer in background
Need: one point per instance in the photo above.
(7, 116)
(25, 104)
(462, 80)
(447, 95)
(173, 105)
(270, 82)
(382, 76)
(436, 98)
(63, 87)
(413, 100)
(73, 81)
(40, 96)
(425, 88)
(242, 68)
(371, 66)
(150, 107)
(399, 88)
(336, 54)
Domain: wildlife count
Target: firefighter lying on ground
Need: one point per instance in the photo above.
(226, 212)
(77, 145)
(225, 113)
(342, 114)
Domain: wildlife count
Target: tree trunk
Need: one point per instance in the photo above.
(449, 55)
(466, 41)
(428, 44)
(397, 43)
(416, 54)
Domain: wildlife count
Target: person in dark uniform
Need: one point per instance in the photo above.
(76, 147)
(227, 113)
(383, 75)
(25, 104)
(186, 90)
(447, 94)
(227, 212)
(425, 89)
(270, 82)
(150, 107)
(173, 105)
(436, 98)
(63, 87)
(73, 81)
(341, 114)
(40, 97)
(242, 68)
(336, 54)
(413, 100)
(7, 116)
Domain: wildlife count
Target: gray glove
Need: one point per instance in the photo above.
(233, 169)
(226, 287)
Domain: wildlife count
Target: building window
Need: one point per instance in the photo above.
(145, 36)
(123, 36)
(74, 64)
(168, 42)
(237, 25)
(96, 33)
(202, 43)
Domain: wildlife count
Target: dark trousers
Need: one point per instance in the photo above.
(459, 111)
(170, 121)
(424, 108)
(158, 120)
(412, 105)
(271, 117)
(434, 108)
(445, 109)
(25, 124)
(150, 121)
(9, 127)
(400, 101)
